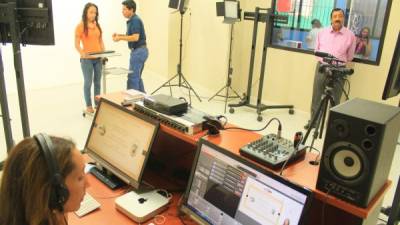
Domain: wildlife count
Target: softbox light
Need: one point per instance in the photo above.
(229, 9)
(180, 5)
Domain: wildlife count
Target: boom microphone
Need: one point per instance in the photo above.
(324, 55)
(327, 56)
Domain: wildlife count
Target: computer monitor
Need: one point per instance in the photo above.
(392, 86)
(35, 22)
(224, 188)
(120, 140)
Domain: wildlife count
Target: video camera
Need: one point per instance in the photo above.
(334, 67)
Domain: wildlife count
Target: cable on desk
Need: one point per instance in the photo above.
(316, 161)
(269, 122)
(165, 193)
(159, 219)
(296, 148)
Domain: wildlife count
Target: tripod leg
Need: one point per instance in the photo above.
(170, 88)
(319, 125)
(190, 88)
(322, 120)
(237, 95)
(190, 97)
(216, 94)
(226, 99)
(313, 121)
(329, 102)
(165, 84)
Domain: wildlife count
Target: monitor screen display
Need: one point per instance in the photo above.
(392, 86)
(121, 140)
(226, 189)
(35, 22)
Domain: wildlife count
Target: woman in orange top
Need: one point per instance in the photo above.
(89, 34)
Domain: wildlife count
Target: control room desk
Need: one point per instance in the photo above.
(177, 149)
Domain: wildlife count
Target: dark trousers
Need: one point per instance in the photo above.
(319, 89)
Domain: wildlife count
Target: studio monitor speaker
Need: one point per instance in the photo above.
(358, 150)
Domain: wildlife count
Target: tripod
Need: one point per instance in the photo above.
(227, 86)
(318, 119)
(182, 82)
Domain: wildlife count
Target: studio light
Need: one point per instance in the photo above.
(181, 5)
(230, 10)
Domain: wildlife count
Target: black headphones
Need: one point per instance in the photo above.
(59, 192)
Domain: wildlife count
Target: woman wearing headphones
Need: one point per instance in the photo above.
(43, 179)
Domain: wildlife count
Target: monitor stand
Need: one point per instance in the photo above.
(111, 181)
(142, 206)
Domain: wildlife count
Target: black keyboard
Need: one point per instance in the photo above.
(110, 181)
(103, 52)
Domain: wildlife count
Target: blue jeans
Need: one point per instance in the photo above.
(91, 69)
(136, 65)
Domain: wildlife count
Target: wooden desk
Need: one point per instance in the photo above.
(177, 149)
(108, 214)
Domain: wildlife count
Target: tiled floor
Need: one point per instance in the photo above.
(58, 111)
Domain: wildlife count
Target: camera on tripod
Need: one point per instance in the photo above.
(335, 71)
(335, 68)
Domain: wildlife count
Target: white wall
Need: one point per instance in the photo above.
(49, 66)
(206, 41)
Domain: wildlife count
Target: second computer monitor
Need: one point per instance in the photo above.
(226, 189)
(120, 140)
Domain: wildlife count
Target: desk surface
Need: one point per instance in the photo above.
(302, 173)
(109, 215)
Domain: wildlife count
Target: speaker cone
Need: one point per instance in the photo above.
(346, 162)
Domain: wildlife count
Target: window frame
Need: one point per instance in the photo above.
(347, 11)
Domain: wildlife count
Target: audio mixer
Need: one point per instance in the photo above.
(272, 151)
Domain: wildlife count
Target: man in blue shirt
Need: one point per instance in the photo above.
(136, 38)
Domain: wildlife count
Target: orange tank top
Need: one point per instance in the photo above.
(90, 42)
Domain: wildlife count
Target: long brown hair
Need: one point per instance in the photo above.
(26, 183)
(85, 20)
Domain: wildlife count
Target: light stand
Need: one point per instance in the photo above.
(228, 86)
(5, 114)
(37, 29)
(266, 17)
(182, 82)
(8, 12)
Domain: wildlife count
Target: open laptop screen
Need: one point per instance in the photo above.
(226, 189)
